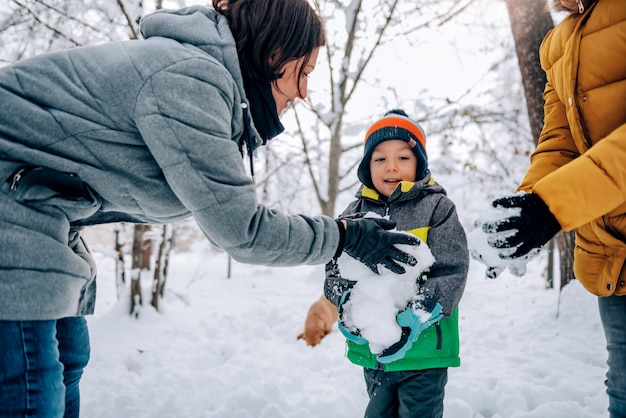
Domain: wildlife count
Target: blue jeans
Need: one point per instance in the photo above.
(613, 315)
(41, 363)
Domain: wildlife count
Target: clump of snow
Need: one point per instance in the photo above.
(376, 299)
(478, 243)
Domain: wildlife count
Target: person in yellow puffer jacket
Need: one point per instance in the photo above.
(577, 177)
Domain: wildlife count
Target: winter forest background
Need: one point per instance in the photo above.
(219, 339)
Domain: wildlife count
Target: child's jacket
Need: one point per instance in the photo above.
(423, 209)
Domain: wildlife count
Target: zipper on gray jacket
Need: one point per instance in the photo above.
(14, 179)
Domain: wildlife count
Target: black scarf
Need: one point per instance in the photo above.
(263, 109)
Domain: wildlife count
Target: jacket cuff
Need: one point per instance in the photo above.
(342, 238)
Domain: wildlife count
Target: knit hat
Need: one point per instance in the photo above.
(395, 124)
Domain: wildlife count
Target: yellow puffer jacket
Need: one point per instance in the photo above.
(579, 166)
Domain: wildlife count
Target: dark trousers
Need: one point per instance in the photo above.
(405, 394)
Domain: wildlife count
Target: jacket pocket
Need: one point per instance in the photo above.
(593, 271)
(51, 190)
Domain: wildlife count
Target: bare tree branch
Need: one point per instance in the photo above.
(129, 20)
(54, 30)
(307, 159)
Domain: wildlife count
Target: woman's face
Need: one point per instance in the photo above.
(288, 88)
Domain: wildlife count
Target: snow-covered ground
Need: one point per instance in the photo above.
(226, 347)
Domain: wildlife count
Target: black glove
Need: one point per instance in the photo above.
(530, 230)
(368, 240)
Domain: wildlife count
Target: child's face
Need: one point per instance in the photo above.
(392, 161)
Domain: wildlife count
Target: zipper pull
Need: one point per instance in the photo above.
(16, 178)
(581, 6)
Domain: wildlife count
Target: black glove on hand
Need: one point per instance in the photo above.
(369, 241)
(530, 230)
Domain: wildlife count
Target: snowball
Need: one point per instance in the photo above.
(376, 299)
(480, 249)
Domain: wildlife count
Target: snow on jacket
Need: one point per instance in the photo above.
(579, 166)
(153, 128)
(423, 207)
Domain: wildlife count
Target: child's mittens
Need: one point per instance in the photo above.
(352, 333)
(413, 320)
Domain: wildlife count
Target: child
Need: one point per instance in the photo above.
(407, 379)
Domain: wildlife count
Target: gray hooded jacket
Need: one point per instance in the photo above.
(144, 131)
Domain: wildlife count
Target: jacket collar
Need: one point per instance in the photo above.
(405, 190)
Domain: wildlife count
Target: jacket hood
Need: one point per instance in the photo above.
(195, 25)
(208, 31)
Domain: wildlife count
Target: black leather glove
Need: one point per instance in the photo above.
(369, 241)
(530, 230)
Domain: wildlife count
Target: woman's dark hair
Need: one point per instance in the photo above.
(269, 33)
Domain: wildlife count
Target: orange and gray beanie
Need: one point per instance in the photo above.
(395, 124)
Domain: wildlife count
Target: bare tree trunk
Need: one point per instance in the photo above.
(334, 157)
(157, 282)
(120, 268)
(550, 274)
(530, 21)
(566, 260)
(161, 265)
(342, 88)
(166, 261)
(141, 260)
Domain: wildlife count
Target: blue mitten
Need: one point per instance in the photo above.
(354, 335)
(412, 326)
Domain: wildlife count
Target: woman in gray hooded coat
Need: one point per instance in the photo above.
(148, 131)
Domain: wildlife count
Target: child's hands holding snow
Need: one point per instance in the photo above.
(414, 319)
(376, 299)
(345, 323)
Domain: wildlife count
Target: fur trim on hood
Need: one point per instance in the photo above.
(571, 6)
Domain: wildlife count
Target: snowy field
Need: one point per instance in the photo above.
(226, 347)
